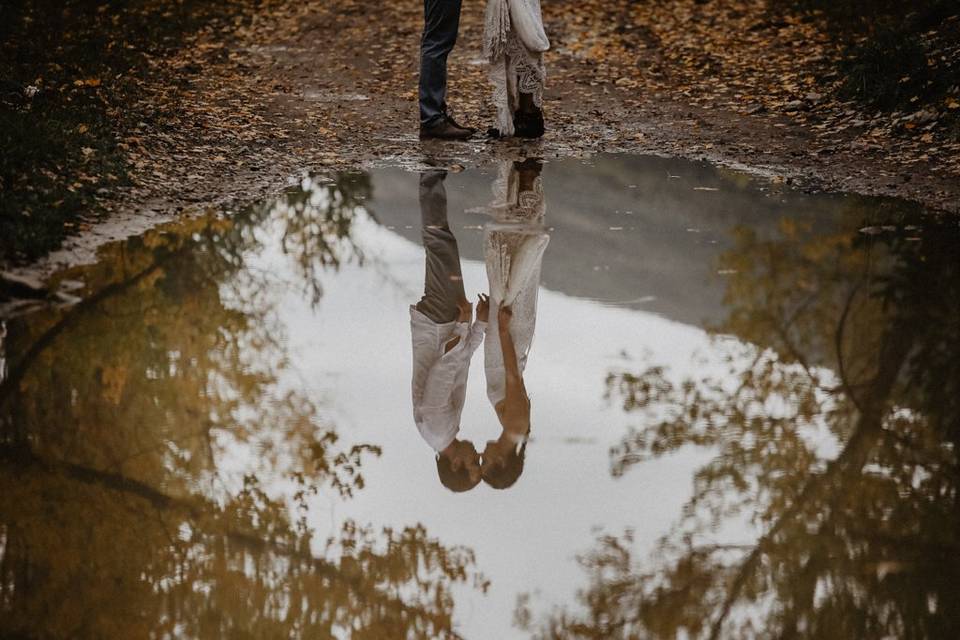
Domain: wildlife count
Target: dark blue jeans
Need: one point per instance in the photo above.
(441, 21)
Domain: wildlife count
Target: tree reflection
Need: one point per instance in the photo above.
(835, 438)
(144, 434)
(320, 242)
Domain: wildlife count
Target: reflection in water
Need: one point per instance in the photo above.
(195, 449)
(444, 338)
(514, 243)
(443, 342)
(317, 242)
(144, 435)
(836, 438)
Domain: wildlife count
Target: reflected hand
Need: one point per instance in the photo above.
(466, 311)
(483, 307)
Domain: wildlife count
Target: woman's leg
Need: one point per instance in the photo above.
(528, 117)
(528, 120)
(527, 105)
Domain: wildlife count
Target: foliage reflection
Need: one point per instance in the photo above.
(834, 438)
(158, 465)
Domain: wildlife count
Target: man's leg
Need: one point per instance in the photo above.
(443, 283)
(441, 22)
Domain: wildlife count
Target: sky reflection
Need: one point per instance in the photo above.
(739, 398)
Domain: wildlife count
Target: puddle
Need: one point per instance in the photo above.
(743, 412)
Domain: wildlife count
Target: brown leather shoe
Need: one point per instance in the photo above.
(457, 124)
(445, 129)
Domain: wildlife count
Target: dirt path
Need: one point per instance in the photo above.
(316, 85)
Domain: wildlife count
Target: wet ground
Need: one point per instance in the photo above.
(743, 418)
(228, 100)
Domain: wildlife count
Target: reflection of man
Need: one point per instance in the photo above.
(443, 342)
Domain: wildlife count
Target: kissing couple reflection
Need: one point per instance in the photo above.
(445, 332)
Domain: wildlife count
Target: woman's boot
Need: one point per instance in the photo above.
(528, 119)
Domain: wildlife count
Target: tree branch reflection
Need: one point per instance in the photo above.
(834, 437)
(159, 460)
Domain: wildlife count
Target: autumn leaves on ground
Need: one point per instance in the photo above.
(151, 108)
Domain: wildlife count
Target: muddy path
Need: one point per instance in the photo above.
(321, 86)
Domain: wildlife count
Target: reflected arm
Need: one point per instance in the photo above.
(457, 352)
(515, 391)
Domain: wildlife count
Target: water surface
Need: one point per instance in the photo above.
(743, 406)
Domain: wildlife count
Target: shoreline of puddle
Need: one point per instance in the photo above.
(39, 278)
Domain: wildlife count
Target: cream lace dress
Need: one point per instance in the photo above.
(513, 42)
(514, 243)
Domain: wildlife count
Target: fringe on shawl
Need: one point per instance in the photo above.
(496, 28)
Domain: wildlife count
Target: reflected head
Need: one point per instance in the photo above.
(502, 469)
(458, 466)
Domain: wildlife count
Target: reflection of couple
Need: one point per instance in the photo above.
(444, 338)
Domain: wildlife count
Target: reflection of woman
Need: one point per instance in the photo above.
(514, 247)
(514, 41)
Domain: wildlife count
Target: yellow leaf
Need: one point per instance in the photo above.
(113, 380)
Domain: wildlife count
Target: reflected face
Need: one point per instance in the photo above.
(493, 457)
(465, 456)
